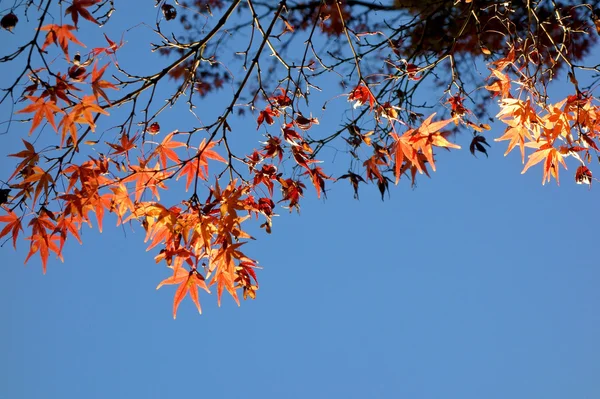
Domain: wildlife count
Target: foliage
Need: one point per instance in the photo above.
(96, 145)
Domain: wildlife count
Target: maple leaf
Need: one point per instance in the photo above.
(477, 144)
(126, 145)
(428, 135)
(68, 127)
(517, 134)
(281, 101)
(43, 179)
(402, 150)
(292, 136)
(121, 202)
(272, 148)
(373, 164)
(266, 175)
(502, 63)
(78, 7)
(552, 158)
(83, 112)
(354, 180)
(98, 85)
(267, 116)
(301, 155)
(147, 178)
(223, 264)
(189, 281)
(42, 238)
(13, 225)
(30, 158)
(501, 86)
(291, 190)
(59, 90)
(361, 95)
(318, 178)
(60, 35)
(198, 167)
(110, 50)
(165, 150)
(43, 108)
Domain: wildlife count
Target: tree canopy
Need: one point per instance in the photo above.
(403, 80)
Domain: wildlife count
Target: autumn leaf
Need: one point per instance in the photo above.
(517, 134)
(428, 135)
(43, 108)
(189, 282)
(83, 112)
(42, 238)
(43, 179)
(500, 86)
(98, 85)
(29, 155)
(147, 178)
(13, 225)
(478, 143)
(362, 95)
(198, 166)
(110, 50)
(318, 179)
(165, 151)
(126, 144)
(402, 150)
(78, 7)
(60, 35)
(552, 158)
(266, 116)
(354, 180)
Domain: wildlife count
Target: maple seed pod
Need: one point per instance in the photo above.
(154, 128)
(9, 21)
(169, 12)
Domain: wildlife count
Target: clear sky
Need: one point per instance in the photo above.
(479, 283)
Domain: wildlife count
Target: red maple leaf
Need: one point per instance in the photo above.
(98, 85)
(13, 224)
(361, 95)
(78, 7)
(60, 35)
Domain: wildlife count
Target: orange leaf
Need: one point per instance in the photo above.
(60, 35)
(165, 150)
(98, 84)
(189, 281)
(83, 112)
(43, 109)
(30, 158)
(552, 158)
(42, 238)
(195, 168)
(516, 134)
(43, 179)
(13, 224)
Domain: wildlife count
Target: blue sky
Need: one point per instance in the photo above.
(480, 282)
